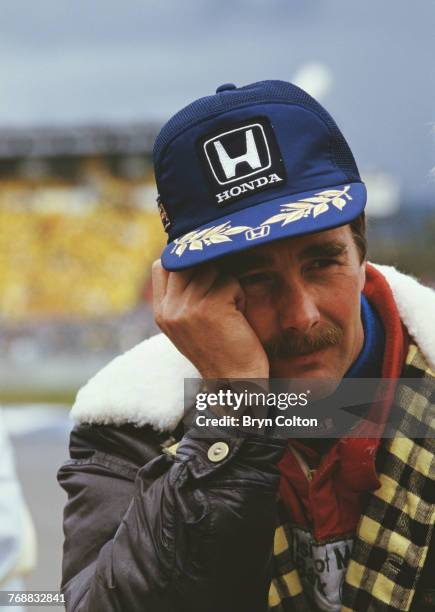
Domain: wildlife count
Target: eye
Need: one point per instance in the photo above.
(323, 263)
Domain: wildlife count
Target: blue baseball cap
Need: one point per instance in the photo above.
(249, 165)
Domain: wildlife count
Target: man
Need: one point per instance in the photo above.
(264, 276)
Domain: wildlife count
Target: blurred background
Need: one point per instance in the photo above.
(85, 88)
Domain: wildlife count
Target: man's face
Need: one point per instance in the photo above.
(302, 298)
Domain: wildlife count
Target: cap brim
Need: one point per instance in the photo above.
(293, 215)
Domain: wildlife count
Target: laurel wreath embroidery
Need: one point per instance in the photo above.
(216, 234)
(315, 206)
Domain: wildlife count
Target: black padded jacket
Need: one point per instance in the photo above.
(152, 531)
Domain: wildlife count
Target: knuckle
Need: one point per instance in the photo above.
(170, 319)
(178, 319)
(158, 318)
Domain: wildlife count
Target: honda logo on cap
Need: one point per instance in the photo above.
(241, 160)
(238, 154)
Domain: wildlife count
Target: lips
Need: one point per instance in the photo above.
(306, 357)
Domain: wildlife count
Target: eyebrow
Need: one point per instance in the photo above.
(332, 248)
(247, 261)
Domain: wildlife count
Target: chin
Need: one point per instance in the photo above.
(323, 376)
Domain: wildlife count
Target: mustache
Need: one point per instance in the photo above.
(292, 344)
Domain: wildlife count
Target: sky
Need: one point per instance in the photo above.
(108, 61)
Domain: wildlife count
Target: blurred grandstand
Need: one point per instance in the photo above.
(78, 231)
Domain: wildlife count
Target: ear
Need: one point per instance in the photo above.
(362, 275)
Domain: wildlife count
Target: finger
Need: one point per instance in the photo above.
(159, 278)
(201, 283)
(227, 288)
(240, 300)
(177, 283)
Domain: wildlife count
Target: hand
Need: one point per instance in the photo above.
(202, 313)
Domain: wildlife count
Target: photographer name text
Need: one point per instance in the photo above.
(256, 422)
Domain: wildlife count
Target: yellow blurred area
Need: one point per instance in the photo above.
(65, 252)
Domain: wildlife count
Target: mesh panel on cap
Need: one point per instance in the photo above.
(262, 92)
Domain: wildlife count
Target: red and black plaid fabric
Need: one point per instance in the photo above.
(395, 528)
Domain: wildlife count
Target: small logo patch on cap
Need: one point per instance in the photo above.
(257, 232)
(242, 161)
(163, 214)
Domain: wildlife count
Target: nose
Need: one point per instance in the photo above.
(297, 308)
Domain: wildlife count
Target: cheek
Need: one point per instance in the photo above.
(343, 306)
(261, 316)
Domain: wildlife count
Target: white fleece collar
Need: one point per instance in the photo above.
(145, 385)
